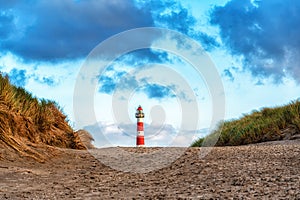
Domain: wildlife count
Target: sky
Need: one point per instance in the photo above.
(190, 64)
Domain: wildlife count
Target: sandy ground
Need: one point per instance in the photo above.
(269, 171)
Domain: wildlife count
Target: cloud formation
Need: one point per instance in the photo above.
(109, 83)
(143, 57)
(265, 33)
(56, 30)
(227, 73)
(171, 14)
(156, 91)
(18, 77)
(47, 30)
(50, 81)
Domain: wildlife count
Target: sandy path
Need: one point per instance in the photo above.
(244, 172)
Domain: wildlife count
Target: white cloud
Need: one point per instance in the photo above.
(108, 134)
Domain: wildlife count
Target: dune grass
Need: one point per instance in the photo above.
(24, 118)
(267, 124)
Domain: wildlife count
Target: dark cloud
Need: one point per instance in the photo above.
(47, 30)
(56, 30)
(171, 14)
(6, 25)
(124, 81)
(144, 56)
(128, 83)
(7, 4)
(107, 84)
(155, 91)
(50, 81)
(259, 83)
(265, 33)
(208, 42)
(137, 58)
(227, 73)
(18, 77)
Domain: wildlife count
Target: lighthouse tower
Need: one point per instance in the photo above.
(140, 142)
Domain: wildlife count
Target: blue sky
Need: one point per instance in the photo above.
(254, 45)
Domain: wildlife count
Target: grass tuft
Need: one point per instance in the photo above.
(268, 124)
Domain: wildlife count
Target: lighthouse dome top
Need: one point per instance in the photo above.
(140, 107)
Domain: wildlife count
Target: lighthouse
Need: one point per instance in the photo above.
(140, 142)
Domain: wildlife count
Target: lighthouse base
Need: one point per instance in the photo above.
(140, 141)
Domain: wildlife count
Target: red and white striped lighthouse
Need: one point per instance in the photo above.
(140, 142)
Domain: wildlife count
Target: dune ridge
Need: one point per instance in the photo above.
(27, 123)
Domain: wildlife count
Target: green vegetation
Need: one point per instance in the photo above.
(25, 119)
(268, 124)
